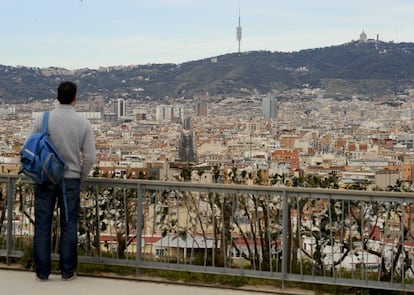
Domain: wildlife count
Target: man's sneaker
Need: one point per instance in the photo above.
(71, 278)
(40, 279)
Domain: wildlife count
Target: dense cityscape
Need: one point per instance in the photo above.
(248, 140)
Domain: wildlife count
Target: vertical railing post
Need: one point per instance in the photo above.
(98, 221)
(285, 237)
(213, 214)
(11, 189)
(140, 226)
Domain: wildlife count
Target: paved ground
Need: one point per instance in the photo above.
(24, 282)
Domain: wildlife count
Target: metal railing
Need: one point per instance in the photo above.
(338, 237)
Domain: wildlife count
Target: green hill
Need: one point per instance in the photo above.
(373, 69)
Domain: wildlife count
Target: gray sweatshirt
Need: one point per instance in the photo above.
(73, 137)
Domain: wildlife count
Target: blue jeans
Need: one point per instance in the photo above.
(44, 205)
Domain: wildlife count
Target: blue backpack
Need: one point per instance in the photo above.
(40, 160)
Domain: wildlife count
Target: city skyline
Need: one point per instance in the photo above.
(89, 33)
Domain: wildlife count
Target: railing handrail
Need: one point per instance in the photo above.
(132, 183)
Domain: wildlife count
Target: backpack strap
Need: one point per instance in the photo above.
(65, 201)
(45, 122)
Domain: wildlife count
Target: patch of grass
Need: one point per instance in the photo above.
(124, 271)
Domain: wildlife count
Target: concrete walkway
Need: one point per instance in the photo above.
(24, 282)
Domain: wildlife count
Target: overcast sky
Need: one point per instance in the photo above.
(91, 33)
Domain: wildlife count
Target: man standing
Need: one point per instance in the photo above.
(73, 137)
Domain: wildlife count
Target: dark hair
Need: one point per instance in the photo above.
(66, 92)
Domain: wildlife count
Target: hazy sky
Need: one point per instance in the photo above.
(91, 33)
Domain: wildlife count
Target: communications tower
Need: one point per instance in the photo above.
(239, 32)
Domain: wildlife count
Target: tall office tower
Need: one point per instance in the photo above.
(202, 108)
(269, 107)
(120, 107)
(187, 123)
(177, 114)
(173, 114)
(186, 150)
(239, 32)
(160, 113)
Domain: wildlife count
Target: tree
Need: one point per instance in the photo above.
(117, 214)
(279, 179)
(216, 174)
(185, 174)
(95, 172)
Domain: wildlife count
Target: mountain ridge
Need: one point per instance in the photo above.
(372, 68)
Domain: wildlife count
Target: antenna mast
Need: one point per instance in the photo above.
(239, 31)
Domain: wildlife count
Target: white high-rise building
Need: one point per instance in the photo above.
(202, 108)
(120, 107)
(173, 114)
(269, 107)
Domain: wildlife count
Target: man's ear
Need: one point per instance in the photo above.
(74, 100)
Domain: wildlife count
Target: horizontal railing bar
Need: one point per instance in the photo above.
(231, 188)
